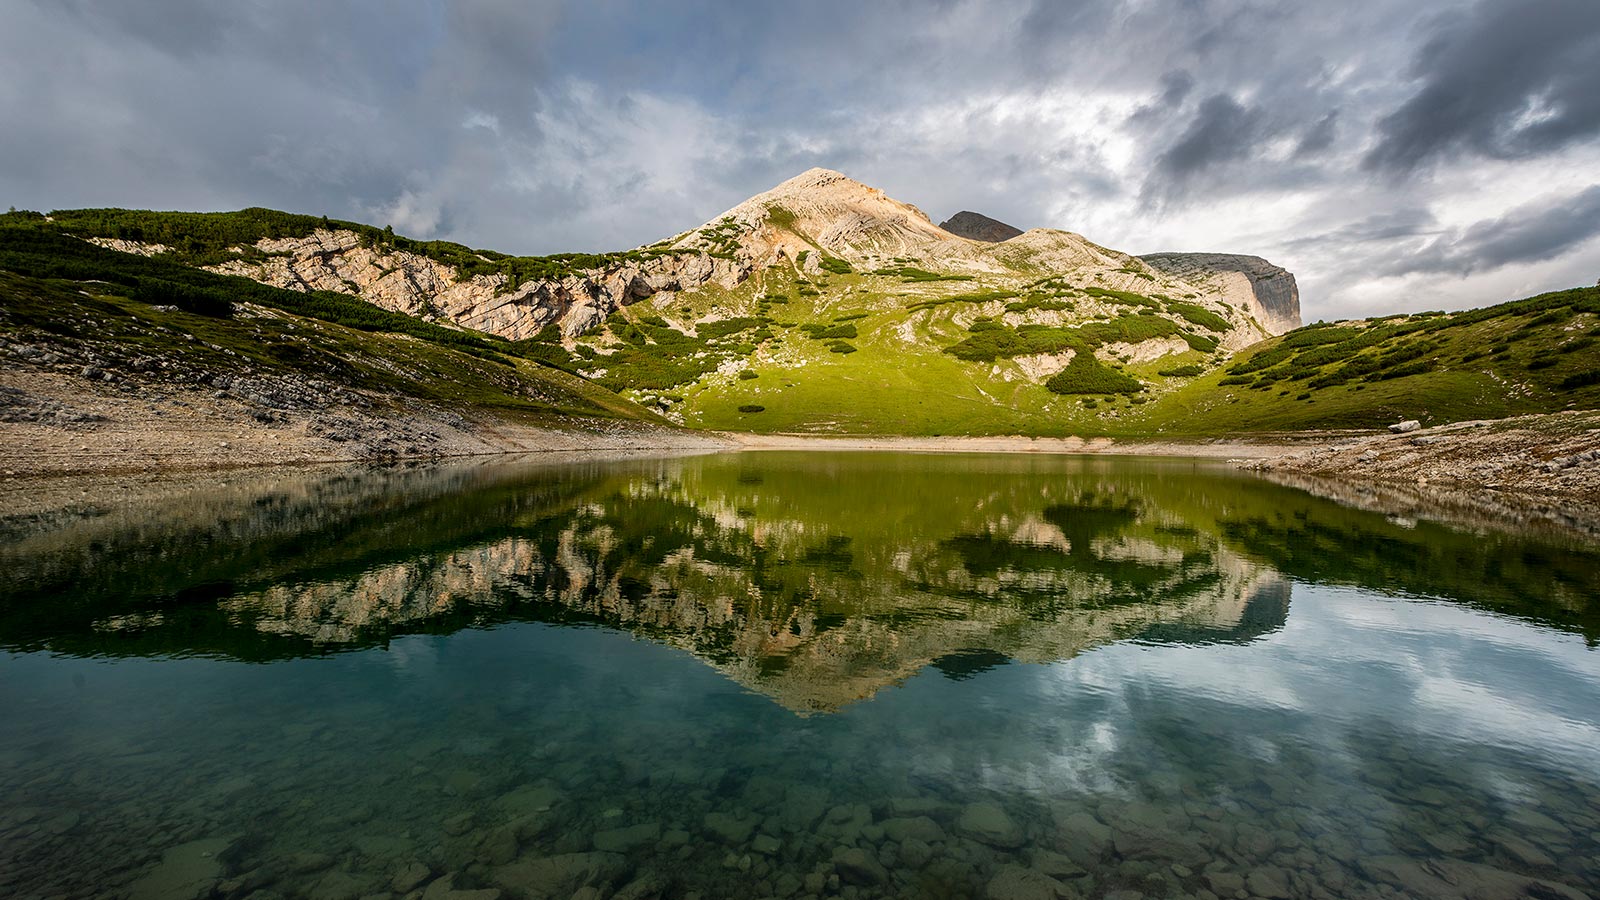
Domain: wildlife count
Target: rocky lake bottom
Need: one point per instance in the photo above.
(791, 675)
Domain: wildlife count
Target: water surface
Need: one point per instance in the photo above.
(775, 674)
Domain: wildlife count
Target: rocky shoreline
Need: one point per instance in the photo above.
(60, 425)
(1542, 456)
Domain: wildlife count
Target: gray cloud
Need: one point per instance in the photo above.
(1531, 233)
(1243, 125)
(1222, 131)
(1509, 78)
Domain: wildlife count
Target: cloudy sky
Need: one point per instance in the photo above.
(1394, 154)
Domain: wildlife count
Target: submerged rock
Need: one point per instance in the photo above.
(922, 828)
(623, 840)
(857, 866)
(561, 876)
(987, 823)
(186, 872)
(729, 827)
(1022, 883)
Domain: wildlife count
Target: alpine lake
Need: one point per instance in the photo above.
(784, 674)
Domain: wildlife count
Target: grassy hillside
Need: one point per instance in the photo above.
(71, 304)
(1536, 355)
(894, 352)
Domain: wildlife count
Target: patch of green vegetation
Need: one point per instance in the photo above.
(1199, 315)
(835, 265)
(747, 375)
(828, 332)
(914, 275)
(851, 317)
(1037, 303)
(1186, 371)
(841, 347)
(1124, 298)
(780, 217)
(969, 297)
(752, 408)
(1085, 374)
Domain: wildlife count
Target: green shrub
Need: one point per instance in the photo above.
(835, 265)
(841, 347)
(1188, 371)
(1125, 298)
(1582, 379)
(1085, 375)
(829, 332)
(1199, 315)
(915, 275)
(971, 297)
(752, 408)
(747, 375)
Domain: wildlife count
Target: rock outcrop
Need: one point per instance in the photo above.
(979, 227)
(416, 285)
(1267, 291)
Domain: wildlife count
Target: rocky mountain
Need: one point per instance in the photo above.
(812, 289)
(1269, 291)
(979, 227)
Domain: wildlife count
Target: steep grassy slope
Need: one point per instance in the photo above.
(1536, 355)
(68, 307)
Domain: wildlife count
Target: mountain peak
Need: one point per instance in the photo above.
(979, 227)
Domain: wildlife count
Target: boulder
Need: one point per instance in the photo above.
(1022, 883)
(857, 866)
(1403, 427)
(987, 823)
(922, 828)
(623, 840)
(729, 827)
(561, 876)
(186, 871)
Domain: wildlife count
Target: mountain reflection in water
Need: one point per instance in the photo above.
(816, 582)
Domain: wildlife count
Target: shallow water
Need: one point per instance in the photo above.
(790, 675)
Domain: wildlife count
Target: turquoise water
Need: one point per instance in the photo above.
(757, 675)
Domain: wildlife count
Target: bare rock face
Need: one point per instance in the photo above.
(416, 285)
(1267, 291)
(979, 227)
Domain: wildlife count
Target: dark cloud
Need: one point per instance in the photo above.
(1319, 137)
(1223, 131)
(544, 125)
(1506, 79)
(1535, 232)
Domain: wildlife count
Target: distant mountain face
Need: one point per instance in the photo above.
(821, 305)
(979, 227)
(1269, 289)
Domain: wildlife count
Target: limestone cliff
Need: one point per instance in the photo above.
(1267, 291)
(416, 285)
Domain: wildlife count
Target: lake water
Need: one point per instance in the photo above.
(786, 675)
